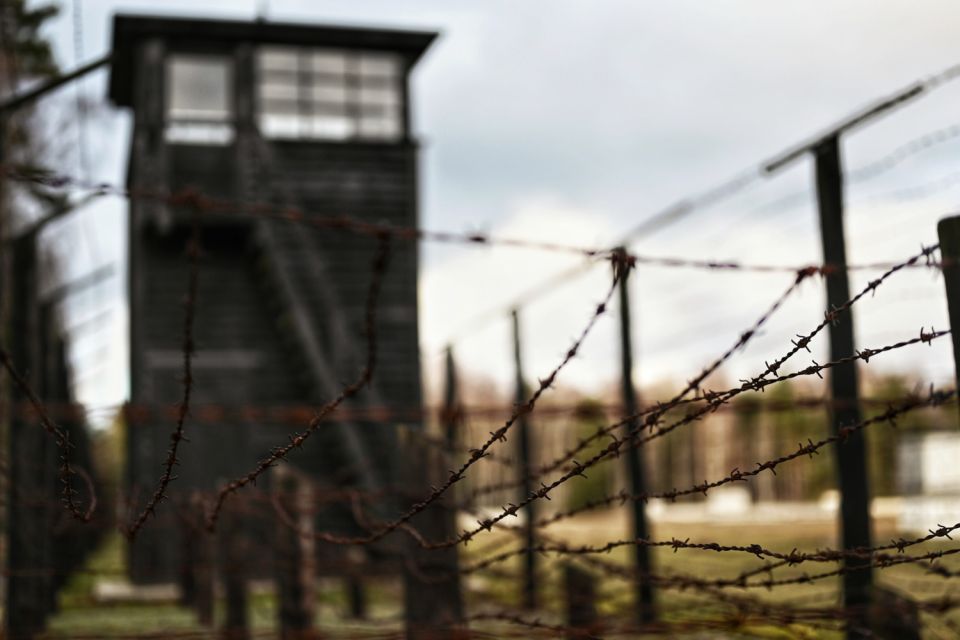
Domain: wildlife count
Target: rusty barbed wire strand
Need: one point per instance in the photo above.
(717, 590)
(871, 170)
(736, 475)
(499, 435)
(904, 151)
(61, 438)
(177, 435)
(710, 398)
(731, 622)
(876, 561)
(269, 416)
(220, 206)
(692, 384)
(714, 400)
(750, 610)
(731, 186)
(223, 206)
(613, 449)
(379, 269)
(792, 558)
(934, 398)
(209, 634)
(653, 413)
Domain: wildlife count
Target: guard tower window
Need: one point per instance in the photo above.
(327, 94)
(199, 100)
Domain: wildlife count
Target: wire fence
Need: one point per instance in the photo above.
(412, 524)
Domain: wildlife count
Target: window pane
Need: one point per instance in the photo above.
(323, 94)
(198, 88)
(330, 93)
(277, 59)
(379, 65)
(333, 127)
(205, 133)
(329, 62)
(381, 96)
(279, 106)
(380, 127)
(275, 90)
(280, 126)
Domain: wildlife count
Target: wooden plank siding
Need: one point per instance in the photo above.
(247, 349)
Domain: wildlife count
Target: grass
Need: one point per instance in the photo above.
(81, 615)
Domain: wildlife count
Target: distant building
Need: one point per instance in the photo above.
(929, 479)
(926, 463)
(314, 117)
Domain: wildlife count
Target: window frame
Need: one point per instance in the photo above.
(211, 127)
(349, 112)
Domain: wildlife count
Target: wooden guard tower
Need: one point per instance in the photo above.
(312, 117)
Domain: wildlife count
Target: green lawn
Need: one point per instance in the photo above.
(80, 615)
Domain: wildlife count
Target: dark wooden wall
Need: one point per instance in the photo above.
(257, 278)
(45, 543)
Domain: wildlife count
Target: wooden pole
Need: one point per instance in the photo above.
(450, 399)
(187, 523)
(949, 231)
(845, 408)
(27, 600)
(643, 590)
(204, 572)
(529, 600)
(357, 597)
(235, 554)
(6, 413)
(433, 600)
(294, 560)
(581, 602)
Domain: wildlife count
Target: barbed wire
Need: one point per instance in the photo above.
(61, 438)
(692, 384)
(177, 435)
(792, 558)
(906, 150)
(614, 448)
(192, 199)
(652, 415)
(267, 416)
(296, 441)
(933, 399)
(641, 428)
(499, 435)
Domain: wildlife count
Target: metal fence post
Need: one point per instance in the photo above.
(526, 488)
(643, 590)
(845, 409)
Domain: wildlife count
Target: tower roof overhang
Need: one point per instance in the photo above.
(130, 30)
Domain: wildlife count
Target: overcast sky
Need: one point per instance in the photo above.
(574, 122)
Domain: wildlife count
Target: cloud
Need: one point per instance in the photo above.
(466, 297)
(561, 120)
